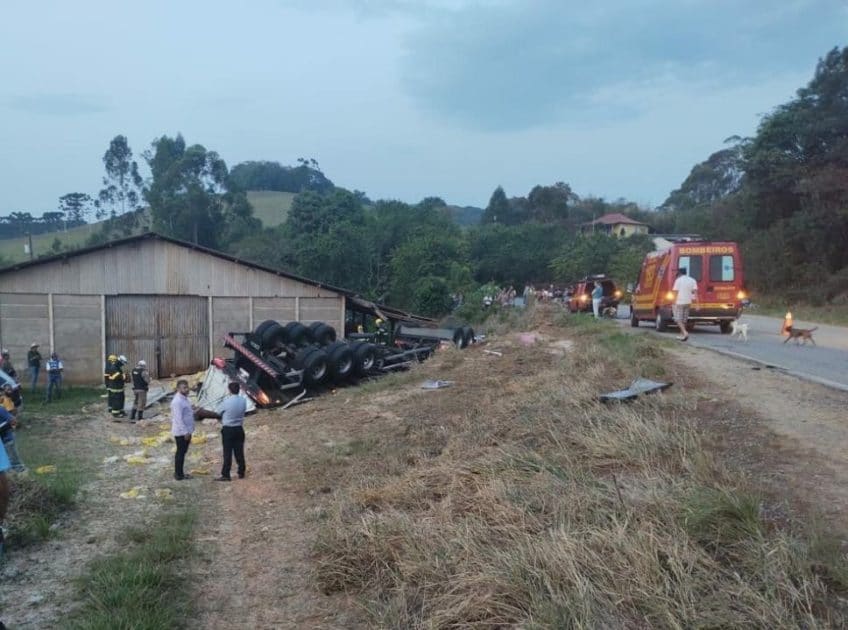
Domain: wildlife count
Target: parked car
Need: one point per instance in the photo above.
(580, 299)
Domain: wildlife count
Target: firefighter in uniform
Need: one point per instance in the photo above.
(114, 379)
(140, 385)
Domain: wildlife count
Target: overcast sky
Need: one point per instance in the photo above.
(402, 98)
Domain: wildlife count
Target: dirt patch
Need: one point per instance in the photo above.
(791, 434)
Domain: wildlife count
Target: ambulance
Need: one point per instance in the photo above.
(717, 268)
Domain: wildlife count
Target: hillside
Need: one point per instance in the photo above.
(269, 206)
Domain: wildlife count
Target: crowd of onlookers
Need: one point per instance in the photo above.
(510, 297)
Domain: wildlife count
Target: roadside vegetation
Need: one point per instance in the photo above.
(515, 498)
(51, 486)
(144, 586)
(836, 314)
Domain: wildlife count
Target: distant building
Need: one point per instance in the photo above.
(615, 224)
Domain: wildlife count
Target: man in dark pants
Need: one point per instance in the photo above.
(182, 426)
(114, 380)
(140, 384)
(232, 432)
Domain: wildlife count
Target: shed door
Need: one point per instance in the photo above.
(170, 332)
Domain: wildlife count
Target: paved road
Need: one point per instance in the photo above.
(827, 362)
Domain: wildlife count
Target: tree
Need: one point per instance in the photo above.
(189, 197)
(550, 204)
(122, 183)
(498, 210)
(76, 206)
(263, 175)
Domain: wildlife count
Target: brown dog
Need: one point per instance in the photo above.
(800, 335)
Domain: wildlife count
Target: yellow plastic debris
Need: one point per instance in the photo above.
(114, 439)
(198, 439)
(199, 471)
(49, 469)
(133, 493)
(135, 459)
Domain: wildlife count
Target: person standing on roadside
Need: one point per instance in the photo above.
(6, 364)
(114, 379)
(34, 363)
(5, 491)
(54, 377)
(8, 423)
(597, 296)
(182, 426)
(232, 432)
(685, 291)
(140, 384)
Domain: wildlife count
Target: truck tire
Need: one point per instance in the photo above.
(257, 332)
(313, 361)
(298, 334)
(459, 338)
(725, 327)
(322, 333)
(364, 357)
(340, 361)
(468, 334)
(660, 324)
(634, 321)
(272, 337)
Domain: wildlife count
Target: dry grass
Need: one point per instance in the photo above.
(516, 499)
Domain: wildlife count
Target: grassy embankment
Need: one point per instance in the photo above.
(516, 498)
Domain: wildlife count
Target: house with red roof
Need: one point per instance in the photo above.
(615, 224)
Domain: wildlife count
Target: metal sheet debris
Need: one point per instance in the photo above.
(436, 384)
(637, 388)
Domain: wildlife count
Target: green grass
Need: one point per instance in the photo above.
(72, 401)
(39, 500)
(269, 206)
(836, 314)
(142, 587)
(12, 249)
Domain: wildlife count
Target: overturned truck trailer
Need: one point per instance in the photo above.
(277, 364)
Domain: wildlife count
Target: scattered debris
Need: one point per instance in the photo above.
(111, 459)
(637, 387)
(298, 400)
(494, 352)
(529, 338)
(49, 469)
(134, 493)
(436, 384)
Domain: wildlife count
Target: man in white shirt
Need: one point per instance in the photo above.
(686, 291)
(232, 432)
(182, 426)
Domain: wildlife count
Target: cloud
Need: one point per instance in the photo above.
(55, 104)
(521, 64)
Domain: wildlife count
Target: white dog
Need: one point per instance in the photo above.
(739, 329)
